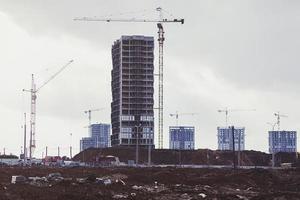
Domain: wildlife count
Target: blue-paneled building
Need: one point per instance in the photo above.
(282, 141)
(225, 141)
(99, 137)
(181, 137)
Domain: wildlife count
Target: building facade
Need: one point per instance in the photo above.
(225, 141)
(181, 137)
(132, 114)
(282, 141)
(99, 137)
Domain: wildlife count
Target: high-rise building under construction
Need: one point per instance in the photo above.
(132, 114)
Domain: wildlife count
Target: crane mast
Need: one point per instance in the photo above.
(32, 117)
(33, 91)
(278, 116)
(89, 112)
(160, 85)
(226, 111)
(176, 115)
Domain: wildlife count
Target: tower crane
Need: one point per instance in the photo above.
(278, 116)
(176, 115)
(161, 40)
(272, 125)
(33, 91)
(89, 112)
(226, 111)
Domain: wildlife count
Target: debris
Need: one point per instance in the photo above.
(120, 196)
(133, 194)
(185, 196)
(36, 178)
(135, 187)
(91, 178)
(241, 197)
(81, 180)
(55, 177)
(120, 181)
(104, 181)
(202, 195)
(18, 179)
(155, 183)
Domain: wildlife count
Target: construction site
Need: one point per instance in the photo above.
(129, 157)
(148, 183)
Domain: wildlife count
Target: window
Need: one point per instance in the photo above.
(146, 118)
(127, 118)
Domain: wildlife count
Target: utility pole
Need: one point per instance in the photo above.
(46, 150)
(71, 146)
(58, 151)
(25, 151)
(233, 147)
(239, 151)
(137, 145)
(149, 145)
(273, 153)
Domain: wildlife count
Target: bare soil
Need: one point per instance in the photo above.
(153, 183)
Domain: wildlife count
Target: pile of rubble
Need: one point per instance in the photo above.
(148, 183)
(52, 178)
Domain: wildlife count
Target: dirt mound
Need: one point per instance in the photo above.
(178, 157)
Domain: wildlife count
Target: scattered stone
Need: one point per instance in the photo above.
(81, 180)
(135, 187)
(185, 196)
(104, 181)
(120, 196)
(120, 181)
(55, 177)
(18, 179)
(241, 197)
(202, 195)
(133, 194)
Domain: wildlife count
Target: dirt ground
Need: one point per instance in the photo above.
(153, 183)
(189, 157)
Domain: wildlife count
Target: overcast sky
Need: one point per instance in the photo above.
(241, 54)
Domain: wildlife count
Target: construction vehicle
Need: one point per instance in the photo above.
(161, 40)
(33, 91)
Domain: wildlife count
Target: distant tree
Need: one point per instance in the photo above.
(9, 156)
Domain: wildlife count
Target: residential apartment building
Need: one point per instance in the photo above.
(225, 140)
(132, 114)
(99, 137)
(181, 137)
(282, 141)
